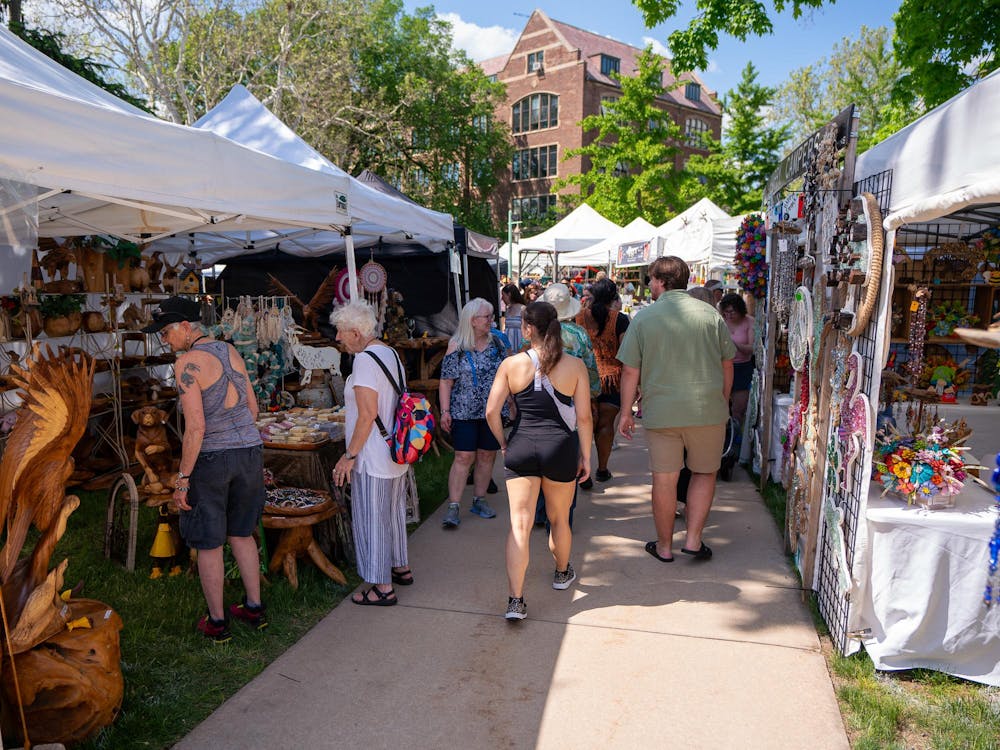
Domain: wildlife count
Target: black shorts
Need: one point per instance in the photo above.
(552, 455)
(473, 434)
(742, 375)
(614, 399)
(226, 497)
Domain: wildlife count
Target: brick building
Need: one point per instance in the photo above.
(558, 74)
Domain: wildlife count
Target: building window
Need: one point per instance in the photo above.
(535, 112)
(610, 65)
(492, 78)
(532, 163)
(536, 61)
(481, 123)
(605, 102)
(692, 91)
(532, 207)
(693, 129)
(451, 173)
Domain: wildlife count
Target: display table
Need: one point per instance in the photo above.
(313, 469)
(297, 541)
(431, 349)
(921, 576)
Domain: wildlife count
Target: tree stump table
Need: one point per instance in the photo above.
(297, 541)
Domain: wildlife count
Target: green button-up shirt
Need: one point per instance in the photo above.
(678, 344)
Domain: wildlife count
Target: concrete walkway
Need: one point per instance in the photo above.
(636, 654)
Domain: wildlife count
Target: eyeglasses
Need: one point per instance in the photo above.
(485, 315)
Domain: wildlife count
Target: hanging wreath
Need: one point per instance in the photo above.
(750, 260)
(342, 288)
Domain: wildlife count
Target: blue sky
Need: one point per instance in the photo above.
(486, 29)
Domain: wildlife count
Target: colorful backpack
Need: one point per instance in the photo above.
(413, 427)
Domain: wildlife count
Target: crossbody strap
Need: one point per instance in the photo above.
(395, 387)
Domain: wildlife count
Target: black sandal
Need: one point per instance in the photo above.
(402, 577)
(383, 598)
(704, 552)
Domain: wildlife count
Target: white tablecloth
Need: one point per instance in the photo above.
(921, 575)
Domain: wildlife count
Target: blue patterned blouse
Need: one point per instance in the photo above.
(472, 373)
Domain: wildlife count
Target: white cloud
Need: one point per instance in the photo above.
(713, 66)
(658, 47)
(480, 42)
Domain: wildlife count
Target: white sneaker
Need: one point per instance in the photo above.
(562, 579)
(516, 609)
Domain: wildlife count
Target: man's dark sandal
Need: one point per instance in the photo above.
(382, 598)
(402, 577)
(702, 553)
(651, 549)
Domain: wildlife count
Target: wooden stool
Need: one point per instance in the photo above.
(297, 541)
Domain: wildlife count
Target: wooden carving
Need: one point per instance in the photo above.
(154, 267)
(66, 655)
(152, 450)
(90, 265)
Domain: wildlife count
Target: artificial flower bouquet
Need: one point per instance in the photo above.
(927, 469)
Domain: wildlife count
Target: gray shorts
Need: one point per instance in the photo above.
(226, 497)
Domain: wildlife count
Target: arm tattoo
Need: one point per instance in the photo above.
(187, 378)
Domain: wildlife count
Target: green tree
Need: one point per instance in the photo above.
(734, 172)
(629, 159)
(945, 44)
(861, 71)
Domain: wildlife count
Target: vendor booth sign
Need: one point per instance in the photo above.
(635, 253)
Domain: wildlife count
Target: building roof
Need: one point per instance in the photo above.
(592, 46)
(494, 65)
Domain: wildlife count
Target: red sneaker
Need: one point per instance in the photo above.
(216, 630)
(255, 617)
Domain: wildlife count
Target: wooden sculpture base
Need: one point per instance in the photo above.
(297, 541)
(71, 684)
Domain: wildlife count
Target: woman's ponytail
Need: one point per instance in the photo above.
(543, 318)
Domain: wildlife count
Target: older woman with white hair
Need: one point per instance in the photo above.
(474, 354)
(378, 490)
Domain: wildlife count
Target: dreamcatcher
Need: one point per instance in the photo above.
(855, 428)
(373, 278)
(800, 324)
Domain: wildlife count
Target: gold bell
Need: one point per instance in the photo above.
(163, 543)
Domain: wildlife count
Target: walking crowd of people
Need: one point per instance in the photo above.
(566, 374)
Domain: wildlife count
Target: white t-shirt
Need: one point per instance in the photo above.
(374, 459)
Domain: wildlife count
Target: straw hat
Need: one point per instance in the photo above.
(990, 338)
(566, 305)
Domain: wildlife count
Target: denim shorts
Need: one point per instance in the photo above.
(226, 497)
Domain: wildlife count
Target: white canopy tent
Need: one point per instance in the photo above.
(945, 161)
(690, 235)
(376, 216)
(606, 251)
(94, 164)
(580, 228)
(724, 233)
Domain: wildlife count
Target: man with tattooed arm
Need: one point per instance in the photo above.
(220, 482)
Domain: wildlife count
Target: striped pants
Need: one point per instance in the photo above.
(378, 517)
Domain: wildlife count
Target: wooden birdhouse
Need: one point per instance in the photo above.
(189, 282)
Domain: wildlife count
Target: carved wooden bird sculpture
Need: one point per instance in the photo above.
(37, 462)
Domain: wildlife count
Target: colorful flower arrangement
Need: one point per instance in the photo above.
(750, 260)
(943, 319)
(988, 243)
(919, 467)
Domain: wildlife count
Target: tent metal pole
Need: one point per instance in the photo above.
(352, 266)
(465, 278)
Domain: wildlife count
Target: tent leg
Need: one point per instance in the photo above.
(352, 266)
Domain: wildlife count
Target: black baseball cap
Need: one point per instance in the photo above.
(174, 310)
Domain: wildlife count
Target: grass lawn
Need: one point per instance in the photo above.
(916, 709)
(174, 677)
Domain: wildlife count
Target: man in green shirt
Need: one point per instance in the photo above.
(680, 349)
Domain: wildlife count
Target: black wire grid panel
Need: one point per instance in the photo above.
(834, 606)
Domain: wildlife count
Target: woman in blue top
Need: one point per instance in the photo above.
(514, 307)
(467, 373)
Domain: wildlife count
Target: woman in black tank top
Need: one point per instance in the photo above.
(549, 446)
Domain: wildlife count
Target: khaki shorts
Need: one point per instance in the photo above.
(703, 445)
